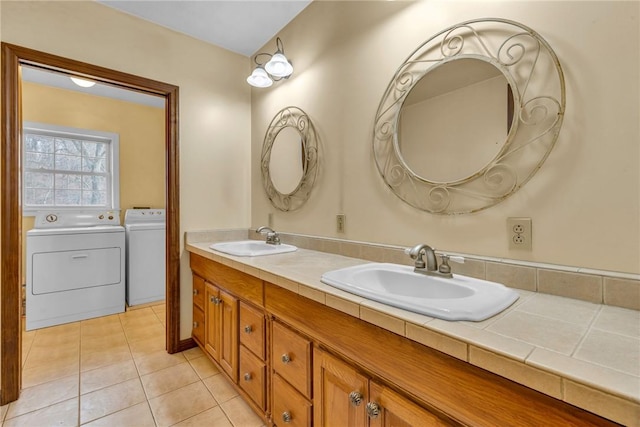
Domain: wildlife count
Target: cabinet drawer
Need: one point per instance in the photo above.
(253, 376)
(198, 292)
(198, 324)
(292, 358)
(290, 408)
(252, 329)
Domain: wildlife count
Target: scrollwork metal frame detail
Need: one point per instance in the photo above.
(537, 82)
(295, 118)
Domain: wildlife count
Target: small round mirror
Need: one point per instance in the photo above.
(289, 159)
(286, 165)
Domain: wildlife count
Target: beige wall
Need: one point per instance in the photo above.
(141, 131)
(214, 101)
(584, 202)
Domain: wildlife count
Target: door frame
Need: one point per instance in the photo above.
(10, 199)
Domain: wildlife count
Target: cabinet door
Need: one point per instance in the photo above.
(229, 335)
(387, 408)
(212, 321)
(340, 393)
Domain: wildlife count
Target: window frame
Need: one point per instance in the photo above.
(113, 180)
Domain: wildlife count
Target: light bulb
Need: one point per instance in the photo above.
(82, 82)
(279, 66)
(259, 78)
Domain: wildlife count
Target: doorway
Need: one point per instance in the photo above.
(13, 57)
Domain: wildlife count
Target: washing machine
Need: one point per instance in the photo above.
(75, 267)
(146, 272)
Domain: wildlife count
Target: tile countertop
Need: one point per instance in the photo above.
(583, 353)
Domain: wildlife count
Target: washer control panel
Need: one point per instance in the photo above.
(70, 219)
(144, 216)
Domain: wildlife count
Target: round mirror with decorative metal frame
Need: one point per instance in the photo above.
(536, 97)
(288, 180)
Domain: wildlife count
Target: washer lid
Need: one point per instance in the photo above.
(144, 227)
(75, 230)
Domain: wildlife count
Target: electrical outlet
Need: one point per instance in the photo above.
(519, 233)
(340, 220)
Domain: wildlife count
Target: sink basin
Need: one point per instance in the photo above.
(251, 248)
(458, 298)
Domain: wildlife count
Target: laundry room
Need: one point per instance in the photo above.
(52, 103)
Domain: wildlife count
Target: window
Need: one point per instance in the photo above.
(69, 168)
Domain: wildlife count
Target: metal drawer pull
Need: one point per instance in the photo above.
(373, 410)
(356, 398)
(247, 376)
(286, 358)
(215, 300)
(286, 417)
(248, 329)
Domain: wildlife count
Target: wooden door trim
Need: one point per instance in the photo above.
(11, 213)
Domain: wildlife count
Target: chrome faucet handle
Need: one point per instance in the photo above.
(272, 236)
(444, 266)
(416, 254)
(264, 229)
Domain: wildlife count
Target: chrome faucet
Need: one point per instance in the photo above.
(429, 268)
(272, 237)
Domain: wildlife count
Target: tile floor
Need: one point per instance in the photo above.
(114, 371)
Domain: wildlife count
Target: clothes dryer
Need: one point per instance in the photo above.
(75, 267)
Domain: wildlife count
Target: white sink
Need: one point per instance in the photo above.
(458, 298)
(251, 248)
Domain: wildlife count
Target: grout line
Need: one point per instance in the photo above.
(586, 334)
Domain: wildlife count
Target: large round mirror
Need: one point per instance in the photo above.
(469, 117)
(462, 106)
(289, 159)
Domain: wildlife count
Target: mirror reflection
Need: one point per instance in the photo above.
(455, 120)
(286, 164)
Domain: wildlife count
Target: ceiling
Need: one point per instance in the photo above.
(241, 26)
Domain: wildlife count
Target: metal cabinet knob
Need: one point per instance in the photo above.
(216, 300)
(195, 325)
(286, 417)
(195, 292)
(355, 397)
(247, 376)
(286, 358)
(373, 410)
(248, 329)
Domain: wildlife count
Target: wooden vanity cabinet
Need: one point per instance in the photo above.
(230, 325)
(298, 362)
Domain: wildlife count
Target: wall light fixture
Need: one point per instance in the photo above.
(278, 67)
